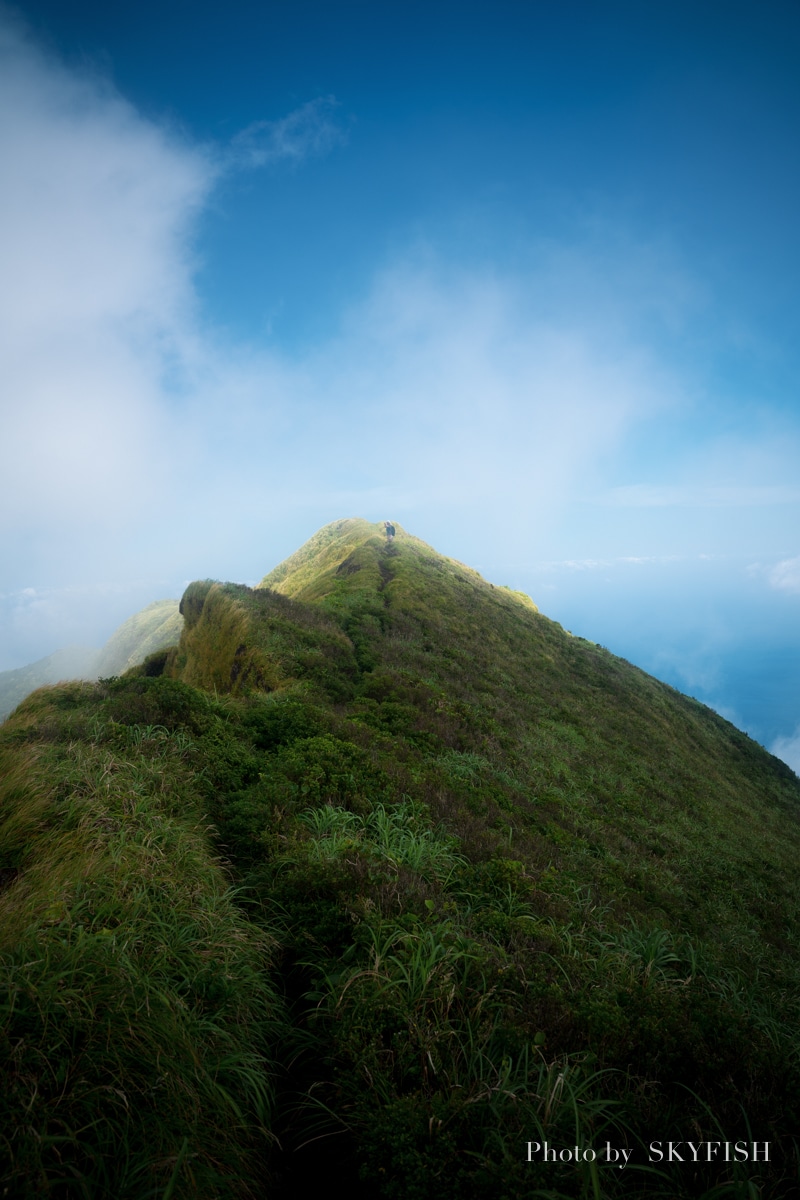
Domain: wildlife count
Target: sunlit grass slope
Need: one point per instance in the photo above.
(154, 628)
(508, 887)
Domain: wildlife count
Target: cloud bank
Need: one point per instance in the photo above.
(96, 302)
(491, 411)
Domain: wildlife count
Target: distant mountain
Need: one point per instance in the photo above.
(154, 628)
(74, 662)
(380, 874)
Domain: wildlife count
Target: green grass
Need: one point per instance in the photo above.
(136, 1012)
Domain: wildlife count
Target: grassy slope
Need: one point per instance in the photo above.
(520, 889)
(592, 763)
(154, 628)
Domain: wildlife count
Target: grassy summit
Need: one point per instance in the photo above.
(442, 878)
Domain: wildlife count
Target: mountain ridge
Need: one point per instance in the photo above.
(409, 607)
(487, 882)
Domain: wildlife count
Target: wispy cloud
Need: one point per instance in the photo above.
(310, 131)
(594, 564)
(698, 496)
(788, 748)
(785, 575)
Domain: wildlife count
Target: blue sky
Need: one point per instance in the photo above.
(521, 276)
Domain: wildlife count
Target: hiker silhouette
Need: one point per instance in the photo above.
(389, 527)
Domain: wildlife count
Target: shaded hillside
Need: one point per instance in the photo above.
(156, 627)
(497, 886)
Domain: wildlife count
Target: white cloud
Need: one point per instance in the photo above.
(115, 397)
(95, 299)
(786, 575)
(450, 381)
(788, 748)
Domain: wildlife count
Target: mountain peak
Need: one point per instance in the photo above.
(354, 555)
(324, 553)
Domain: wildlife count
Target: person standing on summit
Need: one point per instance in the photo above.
(389, 527)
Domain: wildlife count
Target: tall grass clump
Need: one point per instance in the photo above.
(396, 835)
(136, 1013)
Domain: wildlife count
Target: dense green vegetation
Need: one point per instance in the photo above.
(381, 873)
